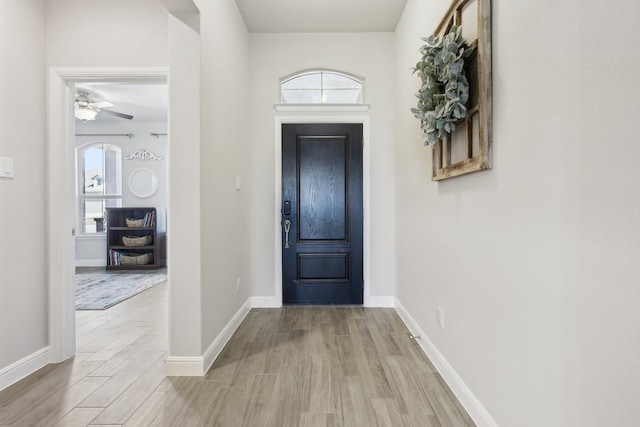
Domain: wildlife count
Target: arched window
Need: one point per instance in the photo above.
(321, 87)
(99, 178)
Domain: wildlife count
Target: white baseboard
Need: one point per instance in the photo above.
(265, 302)
(272, 302)
(198, 366)
(223, 338)
(184, 366)
(466, 397)
(90, 263)
(388, 302)
(24, 367)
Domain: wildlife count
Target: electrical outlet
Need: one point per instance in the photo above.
(6, 167)
(238, 285)
(441, 317)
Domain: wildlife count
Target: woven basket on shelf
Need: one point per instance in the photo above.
(136, 259)
(133, 222)
(137, 240)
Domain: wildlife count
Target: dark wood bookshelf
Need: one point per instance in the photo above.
(117, 228)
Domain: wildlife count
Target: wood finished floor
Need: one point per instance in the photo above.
(296, 366)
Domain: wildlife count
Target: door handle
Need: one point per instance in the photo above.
(287, 227)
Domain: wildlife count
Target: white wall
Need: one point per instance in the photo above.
(118, 33)
(276, 55)
(224, 152)
(23, 209)
(91, 249)
(184, 218)
(534, 262)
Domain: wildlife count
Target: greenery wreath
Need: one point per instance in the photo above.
(445, 90)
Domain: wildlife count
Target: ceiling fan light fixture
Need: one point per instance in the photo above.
(86, 114)
(87, 109)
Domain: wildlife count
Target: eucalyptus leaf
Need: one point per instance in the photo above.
(456, 66)
(448, 57)
(433, 41)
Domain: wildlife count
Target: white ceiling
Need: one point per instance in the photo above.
(148, 102)
(320, 16)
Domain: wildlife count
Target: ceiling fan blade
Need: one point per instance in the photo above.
(115, 113)
(102, 104)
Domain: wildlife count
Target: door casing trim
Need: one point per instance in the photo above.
(366, 220)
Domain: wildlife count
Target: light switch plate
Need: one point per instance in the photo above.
(238, 183)
(6, 167)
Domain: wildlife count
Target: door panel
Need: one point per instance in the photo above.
(322, 211)
(322, 188)
(323, 266)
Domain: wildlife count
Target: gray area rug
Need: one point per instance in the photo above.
(97, 291)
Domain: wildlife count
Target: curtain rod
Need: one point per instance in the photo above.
(158, 134)
(128, 135)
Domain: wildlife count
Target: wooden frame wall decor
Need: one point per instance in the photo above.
(469, 148)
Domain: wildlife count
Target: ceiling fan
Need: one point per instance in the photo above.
(87, 109)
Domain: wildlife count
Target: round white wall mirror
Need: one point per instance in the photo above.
(143, 183)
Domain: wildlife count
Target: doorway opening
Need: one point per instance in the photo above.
(121, 173)
(67, 218)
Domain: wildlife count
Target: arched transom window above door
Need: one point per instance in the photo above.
(322, 86)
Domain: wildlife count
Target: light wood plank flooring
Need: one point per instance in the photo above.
(296, 366)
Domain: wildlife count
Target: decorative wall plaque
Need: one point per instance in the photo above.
(143, 155)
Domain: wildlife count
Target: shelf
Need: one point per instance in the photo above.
(132, 228)
(134, 267)
(117, 229)
(131, 248)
